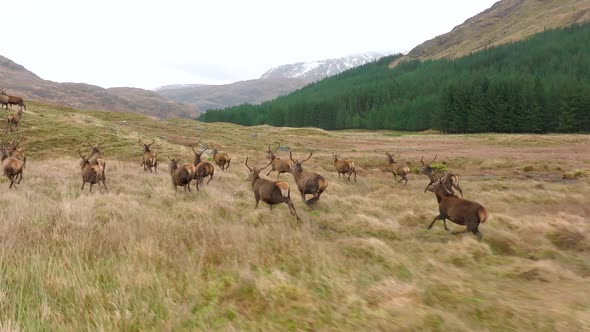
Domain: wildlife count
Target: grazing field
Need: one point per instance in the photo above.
(144, 257)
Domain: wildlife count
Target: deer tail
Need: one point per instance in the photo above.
(284, 187)
(483, 215)
(322, 184)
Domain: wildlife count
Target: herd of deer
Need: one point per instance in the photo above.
(92, 168)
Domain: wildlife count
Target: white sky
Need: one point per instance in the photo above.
(152, 43)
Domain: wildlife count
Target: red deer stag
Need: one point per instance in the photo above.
(150, 159)
(458, 210)
(11, 100)
(181, 175)
(92, 173)
(452, 180)
(18, 153)
(398, 169)
(222, 159)
(344, 167)
(4, 99)
(13, 166)
(13, 120)
(270, 192)
(277, 164)
(307, 182)
(203, 169)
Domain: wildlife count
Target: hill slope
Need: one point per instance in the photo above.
(206, 97)
(20, 81)
(506, 21)
(536, 85)
(143, 257)
(275, 82)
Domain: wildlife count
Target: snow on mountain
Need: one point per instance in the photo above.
(316, 70)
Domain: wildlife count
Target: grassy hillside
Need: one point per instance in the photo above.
(206, 97)
(536, 85)
(21, 82)
(143, 257)
(506, 21)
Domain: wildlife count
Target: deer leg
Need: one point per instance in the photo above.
(292, 209)
(439, 217)
(302, 196)
(445, 224)
(83, 183)
(210, 178)
(20, 176)
(257, 198)
(354, 176)
(91, 184)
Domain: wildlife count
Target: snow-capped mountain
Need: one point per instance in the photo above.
(316, 70)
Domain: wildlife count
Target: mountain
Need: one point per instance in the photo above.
(316, 70)
(539, 84)
(22, 82)
(275, 82)
(206, 97)
(506, 21)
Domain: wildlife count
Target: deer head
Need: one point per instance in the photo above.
(198, 154)
(296, 167)
(428, 170)
(271, 153)
(254, 172)
(390, 158)
(146, 147)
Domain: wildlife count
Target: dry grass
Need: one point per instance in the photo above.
(146, 258)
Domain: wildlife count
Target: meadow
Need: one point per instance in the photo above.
(144, 257)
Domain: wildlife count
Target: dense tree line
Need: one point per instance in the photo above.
(541, 84)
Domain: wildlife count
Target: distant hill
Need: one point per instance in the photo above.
(316, 70)
(506, 21)
(206, 97)
(22, 82)
(275, 82)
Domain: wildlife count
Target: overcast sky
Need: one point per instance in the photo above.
(152, 43)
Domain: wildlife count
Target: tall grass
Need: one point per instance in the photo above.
(144, 257)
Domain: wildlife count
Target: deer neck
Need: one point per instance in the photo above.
(197, 159)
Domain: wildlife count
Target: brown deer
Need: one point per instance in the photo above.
(277, 164)
(150, 159)
(18, 153)
(222, 159)
(181, 175)
(14, 120)
(12, 166)
(203, 169)
(433, 175)
(398, 169)
(270, 192)
(92, 173)
(458, 210)
(307, 182)
(11, 100)
(4, 99)
(344, 167)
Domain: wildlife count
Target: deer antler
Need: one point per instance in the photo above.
(277, 148)
(80, 153)
(433, 159)
(306, 159)
(266, 166)
(246, 163)
(291, 156)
